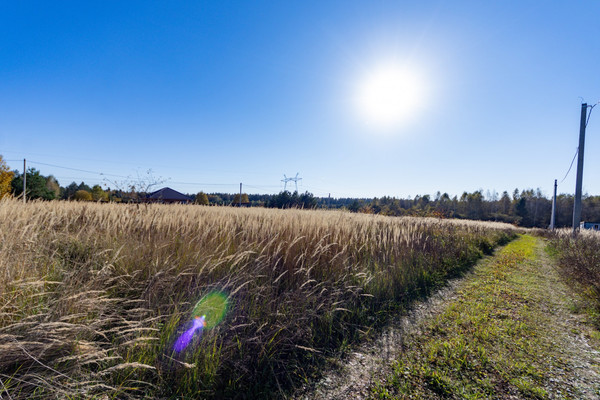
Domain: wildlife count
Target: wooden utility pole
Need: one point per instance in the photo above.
(578, 185)
(24, 181)
(553, 216)
(240, 194)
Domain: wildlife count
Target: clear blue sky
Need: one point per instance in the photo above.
(224, 92)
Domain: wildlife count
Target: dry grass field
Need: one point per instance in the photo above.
(93, 296)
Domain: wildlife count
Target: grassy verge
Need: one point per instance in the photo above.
(579, 261)
(93, 296)
(494, 341)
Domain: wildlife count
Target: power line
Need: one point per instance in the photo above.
(136, 164)
(77, 169)
(262, 188)
(577, 150)
(571, 166)
(203, 184)
(590, 114)
(102, 177)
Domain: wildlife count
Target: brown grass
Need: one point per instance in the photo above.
(92, 296)
(579, 259)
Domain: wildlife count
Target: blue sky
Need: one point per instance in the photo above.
(211, 94)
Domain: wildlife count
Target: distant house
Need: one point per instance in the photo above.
(595, 226)
(168, 195)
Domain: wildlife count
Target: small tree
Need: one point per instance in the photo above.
(53, 186)
(83, 195)
(202, 199)
(6, 177)
(215, 199)
(98, 194)
(136, 188)
(69, 192)
(236, 199)
(307, 200)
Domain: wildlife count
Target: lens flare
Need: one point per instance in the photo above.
(213, 306)
(186, 337)
(207, 313)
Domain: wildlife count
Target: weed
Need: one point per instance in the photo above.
(579, 260)
(92, 296)
(486, 344)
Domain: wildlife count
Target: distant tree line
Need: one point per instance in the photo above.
(48, 188)
(284, 199)
(528, 208)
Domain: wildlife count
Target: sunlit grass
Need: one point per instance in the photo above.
(579, 260)
(491, 342)
(93, 296)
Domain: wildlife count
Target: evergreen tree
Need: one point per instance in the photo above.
(36, 185)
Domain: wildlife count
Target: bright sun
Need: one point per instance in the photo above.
(389, 97)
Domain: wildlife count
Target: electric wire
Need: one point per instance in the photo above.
(76, 169)
(103, 176)
(263, 187)
(590, 114)
(203, 184)
(571, 166)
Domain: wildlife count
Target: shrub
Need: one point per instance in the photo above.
(83, 195)
(579, 259)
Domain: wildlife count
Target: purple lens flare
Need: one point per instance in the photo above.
(186, 337)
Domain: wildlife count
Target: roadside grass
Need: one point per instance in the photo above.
(579, 261)
(93, 296)
(494, 341)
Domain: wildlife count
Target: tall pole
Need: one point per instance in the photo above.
(24, 181)
(577, 205)
(240, 194)
(553, 216)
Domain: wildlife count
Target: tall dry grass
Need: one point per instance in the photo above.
(579, 261)
(92, 296)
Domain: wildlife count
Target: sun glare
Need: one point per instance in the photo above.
(389, 97)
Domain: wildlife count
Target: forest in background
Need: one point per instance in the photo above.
(527, 208)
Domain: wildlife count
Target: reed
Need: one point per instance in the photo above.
(93, 295)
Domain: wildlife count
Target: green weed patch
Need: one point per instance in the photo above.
(492, 342)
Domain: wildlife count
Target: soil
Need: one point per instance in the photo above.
(371, 363)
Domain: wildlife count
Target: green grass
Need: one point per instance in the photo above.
(492, 342)
(93, 296)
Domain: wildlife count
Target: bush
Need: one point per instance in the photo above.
(83, 195)
(579, 260)
(202, 199)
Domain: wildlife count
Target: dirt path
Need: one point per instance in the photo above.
(513, 320)
(372, 361)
